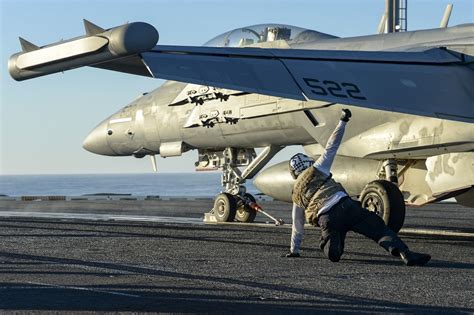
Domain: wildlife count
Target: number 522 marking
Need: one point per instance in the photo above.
(341, 90)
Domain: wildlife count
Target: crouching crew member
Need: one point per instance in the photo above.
(325, 203)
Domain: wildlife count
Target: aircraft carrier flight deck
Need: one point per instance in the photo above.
(158, 256)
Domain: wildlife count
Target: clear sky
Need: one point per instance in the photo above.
(44, 121)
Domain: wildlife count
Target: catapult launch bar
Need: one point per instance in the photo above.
(98, 46)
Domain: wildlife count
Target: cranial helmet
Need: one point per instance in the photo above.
(298, 163)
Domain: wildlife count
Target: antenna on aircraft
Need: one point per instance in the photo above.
(446, 16)
(153, 163)
(382, 24)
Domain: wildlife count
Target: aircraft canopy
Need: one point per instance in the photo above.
(260, 33)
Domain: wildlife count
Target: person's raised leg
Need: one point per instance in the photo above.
(372, 226)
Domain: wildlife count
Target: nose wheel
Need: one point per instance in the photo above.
(234, 203)
(241, 208)
(228, 208)
(244, 213)
(225, 208)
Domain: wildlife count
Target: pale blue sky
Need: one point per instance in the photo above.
(44, 121)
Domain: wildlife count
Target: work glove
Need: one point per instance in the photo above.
(291, 255)
(346, 115)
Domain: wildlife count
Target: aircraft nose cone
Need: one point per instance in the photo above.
(96, 141)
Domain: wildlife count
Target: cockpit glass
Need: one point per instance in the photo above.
(250, 35)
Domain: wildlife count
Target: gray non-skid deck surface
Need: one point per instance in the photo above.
(81, 265)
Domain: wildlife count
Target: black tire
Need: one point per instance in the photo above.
(225, 207)
(386, 200)
(245, 214)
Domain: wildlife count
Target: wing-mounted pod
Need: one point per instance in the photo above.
(98, 47)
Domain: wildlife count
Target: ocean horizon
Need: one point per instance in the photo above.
(139, 184)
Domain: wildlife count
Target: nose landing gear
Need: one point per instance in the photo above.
(234, 203)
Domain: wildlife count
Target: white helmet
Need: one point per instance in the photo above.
(298, 163)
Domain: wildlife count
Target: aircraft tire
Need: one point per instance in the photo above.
(225, 207)
(245, 214)
(386, 200)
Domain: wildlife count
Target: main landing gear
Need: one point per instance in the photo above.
(385, 198)
(234, 203)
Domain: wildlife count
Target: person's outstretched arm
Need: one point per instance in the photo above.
(324, 162)
(297, 229)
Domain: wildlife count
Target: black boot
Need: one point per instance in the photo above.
(292, 255)
(414, 259)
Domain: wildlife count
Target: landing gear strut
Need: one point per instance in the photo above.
(234, 203)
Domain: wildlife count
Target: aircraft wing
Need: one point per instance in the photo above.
(435, 82)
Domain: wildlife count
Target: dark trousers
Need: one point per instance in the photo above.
(348, 215)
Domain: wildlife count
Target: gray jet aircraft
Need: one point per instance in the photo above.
(270, 86)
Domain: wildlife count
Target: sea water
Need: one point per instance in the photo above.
(166, 184)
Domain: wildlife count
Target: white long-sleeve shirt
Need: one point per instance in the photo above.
(323, 164)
